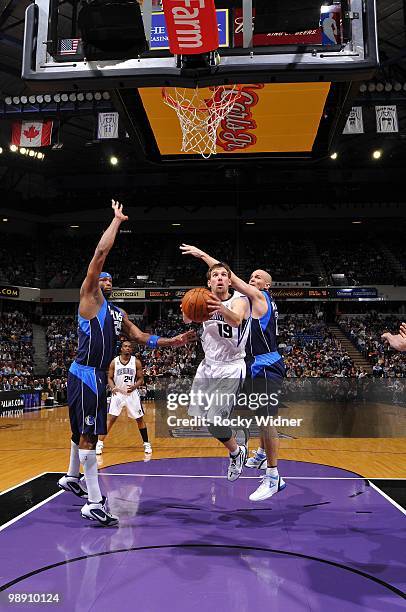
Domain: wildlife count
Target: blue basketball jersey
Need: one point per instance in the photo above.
(98, 337)
(262, 346)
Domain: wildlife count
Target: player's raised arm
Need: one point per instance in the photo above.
(90, 291)
(151, 341)
(256, 296)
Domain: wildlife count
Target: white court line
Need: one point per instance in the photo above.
(20, 516)
(243, 477)
(389, 499)
(24, 482)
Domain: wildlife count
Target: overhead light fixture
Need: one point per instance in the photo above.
(97, 96)
(380, 87)
(106, 95)
(80, 97)
(334, 155)
(23, 151)
(371, 87)
(31, 153)
(175, 224)
(388, 87)
(64, 97)
(40, 99)
(377, 154)
(72, 97)
(113, 160)
(23, 99)
(89, 96)
(8, 100)
(40, 155)
(5, 220)
(250, 223)
(47, 98)
(32, 99)
(74, 226)
(1, 150)
(397, 86)
(356, 222)
(13, 148)
(16, 100)
(57, 98)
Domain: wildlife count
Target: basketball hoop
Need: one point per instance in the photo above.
(200, 117)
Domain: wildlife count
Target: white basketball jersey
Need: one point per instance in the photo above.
(124, 374)
(222, 342)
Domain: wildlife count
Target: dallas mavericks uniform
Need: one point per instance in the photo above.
(87, 376)
(265, 366)
(222, 371)
(126, 374)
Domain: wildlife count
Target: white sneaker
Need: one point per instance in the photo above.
(73, 484)
(268, 487)
(237, 463)
(147, 448)
(258, 461)
(99, 512)
(99, 447)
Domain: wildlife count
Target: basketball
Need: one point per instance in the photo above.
(194, 304)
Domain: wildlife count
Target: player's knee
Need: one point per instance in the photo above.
(222, 434)
(75, 438)
(88, 441)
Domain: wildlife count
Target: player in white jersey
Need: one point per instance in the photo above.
(222, 371)
(124, 378)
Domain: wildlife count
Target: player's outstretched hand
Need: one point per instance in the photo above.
(185, 338)
(402, 330)
(398, 342)
(118, 210)
(188, 249)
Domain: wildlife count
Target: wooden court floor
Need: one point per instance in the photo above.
(38, 442)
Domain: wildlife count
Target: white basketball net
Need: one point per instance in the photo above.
(199, 118)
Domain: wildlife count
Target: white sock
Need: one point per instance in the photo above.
(74, 461)
(89, 461)
(236, 452)
(261, 451)
(272, 471)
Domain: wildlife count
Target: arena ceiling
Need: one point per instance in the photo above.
(82, 165)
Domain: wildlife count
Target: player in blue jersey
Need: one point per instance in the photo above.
(265, 369)
(100, 323)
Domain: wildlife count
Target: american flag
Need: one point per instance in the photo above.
(68, 46)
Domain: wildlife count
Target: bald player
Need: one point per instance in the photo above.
(265, 368)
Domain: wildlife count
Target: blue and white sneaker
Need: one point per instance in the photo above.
(268, 487)
(99, 512)
(258, 461)
(73, 484)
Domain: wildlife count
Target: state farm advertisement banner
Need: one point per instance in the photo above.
(191, 26)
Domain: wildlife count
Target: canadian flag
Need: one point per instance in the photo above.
(32, 134)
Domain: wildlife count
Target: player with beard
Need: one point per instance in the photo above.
(100, 324)
(265, 369)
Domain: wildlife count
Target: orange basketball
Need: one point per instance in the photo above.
(194, 304)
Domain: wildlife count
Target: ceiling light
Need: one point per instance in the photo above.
(13, 148)
(334, 155)
(377, 154)
(356, 222)
(23, 151)
(5, 220)
(47, 98)
(64, 97)
(113, 160)
(40, 99)
(175, 224)
(250, 223)
(74, 226)
(57, 98)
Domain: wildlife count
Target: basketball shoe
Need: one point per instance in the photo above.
(268, 487)
(74, 484)
(99, 447)
(147, 448)
(237, 463)
(258, 461)
(99, 512)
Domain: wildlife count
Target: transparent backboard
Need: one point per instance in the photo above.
(295, 40)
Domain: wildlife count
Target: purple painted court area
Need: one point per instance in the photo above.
(187, 543)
